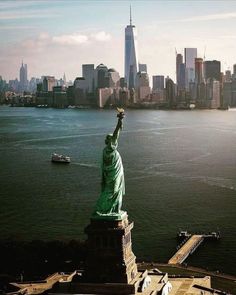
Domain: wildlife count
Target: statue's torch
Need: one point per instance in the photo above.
(121, 114)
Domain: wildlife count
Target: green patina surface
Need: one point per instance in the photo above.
(113, 183)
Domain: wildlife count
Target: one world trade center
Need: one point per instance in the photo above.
(131, 55)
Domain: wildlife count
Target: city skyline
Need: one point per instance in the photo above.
(30, 31)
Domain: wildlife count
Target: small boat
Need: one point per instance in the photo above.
(56, 158)
(42, 106)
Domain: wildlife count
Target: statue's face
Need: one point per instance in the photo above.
(108, 139)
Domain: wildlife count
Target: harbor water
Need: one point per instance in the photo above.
(180, 173)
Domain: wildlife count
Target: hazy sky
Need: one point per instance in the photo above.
(54, 37)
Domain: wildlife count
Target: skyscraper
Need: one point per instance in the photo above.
(101, 76)
(158, 82)
(143, 89)
(64, 79)
(142, 68)
(23, 77)
(48, 83)
(212, 69)
(131, 57)
(198, 70)
(227, 76)
(179, 61)
(234, 71)
(88, 74)
(189, 57)
(113, 78)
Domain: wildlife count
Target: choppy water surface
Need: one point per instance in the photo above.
(180, 171)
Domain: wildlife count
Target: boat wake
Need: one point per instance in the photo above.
(211, 181)
(85, 165)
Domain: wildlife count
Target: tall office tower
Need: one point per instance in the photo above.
(142, 68)
(143, 89)
(158, 82)
(64, 79)
(170, 92)
(213, 94)
(23, 77)
(179, 61)
(234, 72)
(123, 83)
(212, 69)
(113, 78)
(182, 78)
(142, 79)
(131, 56)
(101, 76)
(227, 76)
(189, 58)
(48, 83)
(88, 74)
(199, 70)
(80, 83)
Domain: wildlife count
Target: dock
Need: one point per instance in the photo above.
(190, 244)
(188, 248)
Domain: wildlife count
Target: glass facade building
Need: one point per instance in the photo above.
(131, 56)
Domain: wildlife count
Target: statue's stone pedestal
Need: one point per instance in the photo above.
(110, 258)
(110, 267)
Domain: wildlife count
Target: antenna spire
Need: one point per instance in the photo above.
(130, 15)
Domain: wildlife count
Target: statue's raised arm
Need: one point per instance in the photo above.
(113, 183)
(119, 125)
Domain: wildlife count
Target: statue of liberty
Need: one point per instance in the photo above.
(113, 182)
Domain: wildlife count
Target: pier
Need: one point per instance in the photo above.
(190, 245)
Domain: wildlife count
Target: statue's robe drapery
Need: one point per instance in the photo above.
(113, 182)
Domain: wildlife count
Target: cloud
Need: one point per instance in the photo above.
(101, 36)
(45, 42)
(78, 38)
(42, 54)
(209, 17)
(73, 39)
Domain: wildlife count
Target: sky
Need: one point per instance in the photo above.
(53, 37)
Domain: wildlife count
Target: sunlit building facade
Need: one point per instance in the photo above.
(189, 59)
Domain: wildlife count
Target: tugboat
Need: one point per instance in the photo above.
(56, 158)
